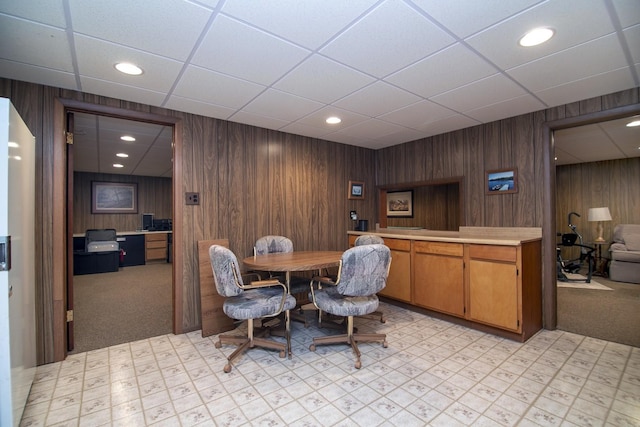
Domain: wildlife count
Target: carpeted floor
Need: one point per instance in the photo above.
(129, 305)
(608, 315)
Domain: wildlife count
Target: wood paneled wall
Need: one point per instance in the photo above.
(612, 183)
(255, 181)
(435, 207)
(154, 196)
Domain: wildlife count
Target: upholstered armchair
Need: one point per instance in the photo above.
(362, 274)
(256, 300)
(277, 244)
(371, 239)
(625, 253)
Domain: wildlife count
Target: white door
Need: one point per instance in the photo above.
(17, 256)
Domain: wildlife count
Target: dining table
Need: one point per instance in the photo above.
(286, 262)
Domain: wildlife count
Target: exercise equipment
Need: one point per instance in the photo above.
(574, 265)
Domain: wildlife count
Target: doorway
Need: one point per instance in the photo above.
(65, 234)
(121, 297)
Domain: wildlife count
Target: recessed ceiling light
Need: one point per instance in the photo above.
(13, 144)
(333, 120)
(122, 155)
(118, 165)
(128, 68)
(127, 138)
(633, 124)
(536, 36)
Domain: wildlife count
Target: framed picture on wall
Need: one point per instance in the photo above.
(356, 190)
(114, 197)
(400, 204)
(502, 181)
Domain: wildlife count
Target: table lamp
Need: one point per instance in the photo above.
(599, 215)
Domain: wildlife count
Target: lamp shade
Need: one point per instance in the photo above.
(599, 214)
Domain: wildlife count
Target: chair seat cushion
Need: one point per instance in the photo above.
(251, 304)
(330, 300)
(628, 256)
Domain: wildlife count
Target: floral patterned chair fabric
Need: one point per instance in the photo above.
(258, 299)
(280, 244)
(369, 239)
(363, 272)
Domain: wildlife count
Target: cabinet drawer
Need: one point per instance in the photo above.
(496, 253)
(156, 244)
(154, 237)
(398, 244)
(439, 248)
(156, 253)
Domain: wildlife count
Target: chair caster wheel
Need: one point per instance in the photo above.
(312, 347)
(385, 344)
(382, 320)
(227, 368)
(218, 344)
(358, 365)
(282, 354)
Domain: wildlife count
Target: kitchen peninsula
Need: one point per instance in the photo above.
(487, 278)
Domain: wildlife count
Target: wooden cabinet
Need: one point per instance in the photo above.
(504, 287)
(156, 247)
(399, 280)
(438, 271)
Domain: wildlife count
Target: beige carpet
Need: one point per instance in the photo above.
(582, 285)
(128, 305)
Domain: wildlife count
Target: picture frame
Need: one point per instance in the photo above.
(114, 197)
(501, 181)
(356, 190)
(400, 204)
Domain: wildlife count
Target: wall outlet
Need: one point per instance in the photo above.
(192, 198)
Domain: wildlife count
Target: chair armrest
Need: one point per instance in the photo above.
(617, 247)
(264, 284)
(247, 276)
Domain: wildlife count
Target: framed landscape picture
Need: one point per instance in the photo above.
(400, 204)
(114, 197)
(502, 181)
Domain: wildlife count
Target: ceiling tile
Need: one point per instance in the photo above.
(34, 74)
(192, 106)
(169, 28)
(310, 23)
(465, 17)
(199, 84)
(376, 99)
(628, 12)
(257, 120)
(509, 108)
(317, 118)
(97, 59)
(119, 91)
(601, 84)
(298, 128)
(50, 13)
(369, 129)
(322, 80)
(632, 36)
(236, 49)
(571, 65)
(448, 124)
(376, 48)
(500, 43)
(488, 91)
(417, 114)
(281, 105)
(450, 68)
(34, 44)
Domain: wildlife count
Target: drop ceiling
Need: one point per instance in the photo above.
(393, 70)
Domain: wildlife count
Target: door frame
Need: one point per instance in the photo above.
(59, 228)
(550, 295)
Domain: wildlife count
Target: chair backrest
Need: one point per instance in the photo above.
(226, 271)
(369, 239)
(272, 244)
(364, 270)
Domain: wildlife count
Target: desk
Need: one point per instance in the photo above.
(293, 261)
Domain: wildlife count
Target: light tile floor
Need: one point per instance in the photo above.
(433, 373)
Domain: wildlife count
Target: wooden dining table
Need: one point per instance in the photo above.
(293, 261)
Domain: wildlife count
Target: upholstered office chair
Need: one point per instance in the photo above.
(371, 239)
(259, 299)
(362, 273)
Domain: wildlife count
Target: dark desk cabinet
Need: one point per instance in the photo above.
(133, 246)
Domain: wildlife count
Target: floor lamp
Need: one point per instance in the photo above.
(599, 215)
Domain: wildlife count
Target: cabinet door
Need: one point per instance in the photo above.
(493, 294)
(399, 280)
(438, 276)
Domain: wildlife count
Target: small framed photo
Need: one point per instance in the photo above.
(356, 190)
(502, 181)
(114, 197)
(400, 204)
